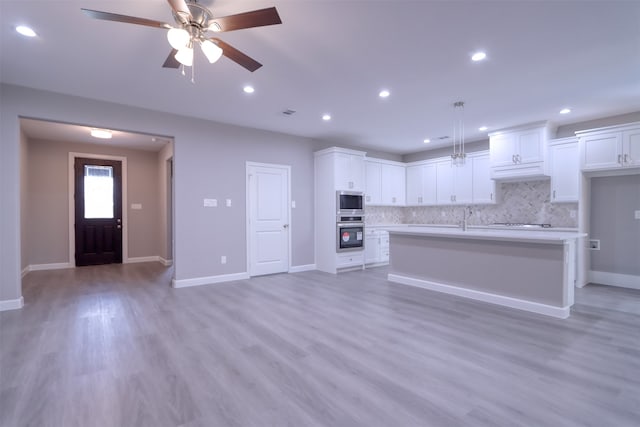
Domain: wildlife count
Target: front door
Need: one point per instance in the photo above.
(268, 211)
(98, 211)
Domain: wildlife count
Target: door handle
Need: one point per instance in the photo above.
(285, 226)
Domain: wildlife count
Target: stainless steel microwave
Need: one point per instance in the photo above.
(350, 203)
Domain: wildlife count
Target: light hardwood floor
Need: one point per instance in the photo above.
(116, 346)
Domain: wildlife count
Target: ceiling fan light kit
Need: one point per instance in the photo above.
(211, 50)
(178, 38)
(192, 21)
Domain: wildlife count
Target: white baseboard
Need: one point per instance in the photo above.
(11, 304)
(185, 283)
(535, 307)
(614, 279)
(165, 262)
(52, 266)
(133, 260)
(301, 268)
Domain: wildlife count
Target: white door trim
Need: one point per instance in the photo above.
(72, 210)
(248, 228)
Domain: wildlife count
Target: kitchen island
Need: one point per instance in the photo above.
(528, 270)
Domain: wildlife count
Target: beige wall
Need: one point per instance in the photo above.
(47, 217)
(164, 203)
(24, 184)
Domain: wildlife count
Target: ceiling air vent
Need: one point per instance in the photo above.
(289, 112)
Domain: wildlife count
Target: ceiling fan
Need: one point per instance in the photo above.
(192, 22)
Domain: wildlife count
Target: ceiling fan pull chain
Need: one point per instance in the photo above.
(193, 67)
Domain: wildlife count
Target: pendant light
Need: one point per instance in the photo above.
(458, 156)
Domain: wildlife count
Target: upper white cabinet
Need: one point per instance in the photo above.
(349, 170)
(610, 148)
(483, 187)
(564, 166)
(421, 184)
(454, 182)
(385, 183)
(373, 189)
(519, 153)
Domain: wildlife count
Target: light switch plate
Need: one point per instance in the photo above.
(210, 203)
(637, 215)
(228, 203)
(293, 204)
(136, 206)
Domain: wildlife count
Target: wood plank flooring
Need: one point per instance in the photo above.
(116, 346)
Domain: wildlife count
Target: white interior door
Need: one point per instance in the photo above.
(268, 215)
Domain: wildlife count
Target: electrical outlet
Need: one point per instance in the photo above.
(636, 215)
(293, 204)
(223, 259)
(573, 213)
(594, 245)
(228, 203)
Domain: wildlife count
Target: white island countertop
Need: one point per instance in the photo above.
(547, 236)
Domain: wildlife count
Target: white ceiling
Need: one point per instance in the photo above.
(335, 56)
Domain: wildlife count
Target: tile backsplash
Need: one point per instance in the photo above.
(527, 202)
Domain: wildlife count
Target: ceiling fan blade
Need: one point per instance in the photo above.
(106, 16)
(236, 56)
(171, 61)
(180, 8)
(256, 18)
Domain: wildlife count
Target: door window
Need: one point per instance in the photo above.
(98, 191)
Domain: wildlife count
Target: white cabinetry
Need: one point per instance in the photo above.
(519, 153)
(483, 187)
(376, 246)
(421, 184)
(349, 170)
(385, 183)
(453, 182)
(336, 169)
(564, 167)
(373, 190)
(610, 148)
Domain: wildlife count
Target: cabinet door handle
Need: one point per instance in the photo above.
(554, 194)
(620, 159)
(491, 196)
(513, 158)
(393, 200)
(626, 158)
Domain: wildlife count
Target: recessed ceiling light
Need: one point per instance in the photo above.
(478, 56)
(482, 128)
(101, 133)
(426, 141)
(565, 111)
(384, 93)
(326, 117)
(25, 31)
(248, 89)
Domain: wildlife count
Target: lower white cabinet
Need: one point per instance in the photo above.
(376, 246)
(350, 259)
(564, 166)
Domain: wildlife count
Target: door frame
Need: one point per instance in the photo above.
(72, 215)
(247, 201)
